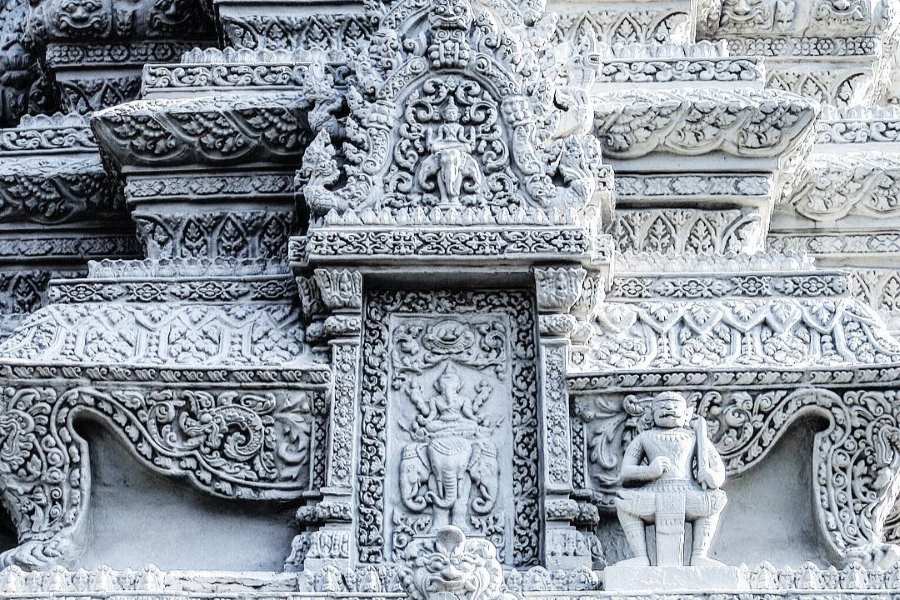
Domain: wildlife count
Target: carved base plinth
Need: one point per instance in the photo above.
(687, 579)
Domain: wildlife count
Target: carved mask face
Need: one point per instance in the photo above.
(745, 15)
(80, 17)
(670, 410)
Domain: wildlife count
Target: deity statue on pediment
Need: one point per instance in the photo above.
(452, 464)
(451, 162)
(676, 475)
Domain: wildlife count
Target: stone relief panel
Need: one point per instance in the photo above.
(856, 456)
(449, 430)
(450, 407)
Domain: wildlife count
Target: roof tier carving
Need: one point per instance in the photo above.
(205, 130)
(452, 123)
(742, 123)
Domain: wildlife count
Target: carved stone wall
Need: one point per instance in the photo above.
(411, 272)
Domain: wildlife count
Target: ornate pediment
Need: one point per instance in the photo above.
(460, 115)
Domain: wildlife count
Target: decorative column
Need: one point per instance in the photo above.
(330, 540)
(557, 290)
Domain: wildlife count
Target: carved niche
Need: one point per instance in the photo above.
(449, 423)
(856, 456)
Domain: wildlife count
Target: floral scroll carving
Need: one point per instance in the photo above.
(230, 443)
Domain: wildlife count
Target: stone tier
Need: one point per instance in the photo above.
(844, 212)
(58, 208)
(838, 53)
(94, 51)
(698, 169)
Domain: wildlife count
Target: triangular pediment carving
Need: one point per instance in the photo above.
(460, 114)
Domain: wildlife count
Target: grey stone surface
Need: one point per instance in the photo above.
(629, 578)
(374, 299)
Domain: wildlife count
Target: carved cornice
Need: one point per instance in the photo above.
(51, 190)
(737, 333)
(205, 130)
(836, 243)
(269, 186)
(68, 246)
(825, 284)
(855, 183)
(137, 53)
(210, 68)
(678, 186)
(799, 47)
(245, 289)
(743, 123)
(671, 70)
(50, 173)
(858, 126)
(452, 244)
(44, 134)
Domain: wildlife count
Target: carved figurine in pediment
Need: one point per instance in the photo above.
(676, 475)
(451, 162)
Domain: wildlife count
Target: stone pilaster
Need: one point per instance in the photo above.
(332, 542)
(557, 290)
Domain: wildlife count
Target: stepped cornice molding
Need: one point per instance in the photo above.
(845, 184)
(206, 130)
(743, 123)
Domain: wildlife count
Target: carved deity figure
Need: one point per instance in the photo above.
(451, 162)
(677, 475)
(452, 460)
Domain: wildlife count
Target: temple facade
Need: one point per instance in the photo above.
(450, 299)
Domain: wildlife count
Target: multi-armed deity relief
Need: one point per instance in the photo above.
(450, 299)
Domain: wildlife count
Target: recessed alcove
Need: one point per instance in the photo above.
(137, 517)
(769, 515)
